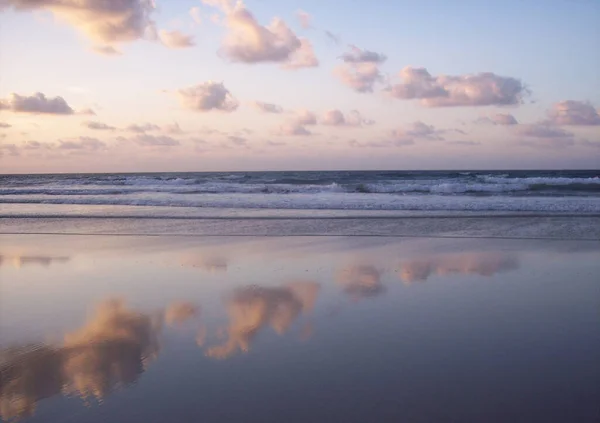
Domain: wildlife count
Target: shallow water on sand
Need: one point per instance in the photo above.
(302, 329)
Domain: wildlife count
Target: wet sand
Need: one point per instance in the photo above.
(97, 328)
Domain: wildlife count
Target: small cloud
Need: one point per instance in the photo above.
(503, 119)
(572, 112)
(293, 129)
(357, 55)
(267, 107)
(336, 118)
(542, 130)
(304, 19)
(81, 143)
(106, 50)
(98, 126)
(144, 127)
(146, 140)
(87, 111)
(37, 103)
(361, 77)
(332, 37)
(175, 39)
(5, 125)
(415, 131)
(208, 96)
(196, 15)
(237, 140)
(173, 128)
(465, 143)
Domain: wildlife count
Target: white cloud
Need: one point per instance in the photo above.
(175, 39)
(483, 89)
(361, 77)
(36, 103)
(208, 96)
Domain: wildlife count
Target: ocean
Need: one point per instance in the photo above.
(297, 194)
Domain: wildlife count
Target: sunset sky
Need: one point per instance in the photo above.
(190, 85)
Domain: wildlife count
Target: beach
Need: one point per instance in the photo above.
(390, 309)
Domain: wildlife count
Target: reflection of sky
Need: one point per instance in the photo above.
(269, 315)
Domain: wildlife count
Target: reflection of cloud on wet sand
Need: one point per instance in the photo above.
(21, 261)
(180, 311)
(252, 308)
(360, 281)
(112, 349)
(483, 264)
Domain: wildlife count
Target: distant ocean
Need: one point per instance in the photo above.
(299, 193)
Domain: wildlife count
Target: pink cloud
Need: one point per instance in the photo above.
(360, 70)
(483, 89)
(570, 112)
(37, 103)
(175, 39)
(208, 96)
(249, 42)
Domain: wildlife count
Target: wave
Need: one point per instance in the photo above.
(482, 185)
(336, 201)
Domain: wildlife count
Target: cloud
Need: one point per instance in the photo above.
(249, 42)
(179, 312)
(415, 131)
(37, 103)
(503, 119)
(304, 19)
(81, 143)
(175, 39)
(483, 264)
(357, 55)
(173, 128)
(296, 126)
(5, 125)
(106, 50)
(331, 36)
(360, 70)
(572, 112)
(106, 22)
(208, 96)
(253, 308)
(542, 130)
(483, 89)
(361, 281)
(267, 107)
(144, 127)
(361, 77)
(196, 15)
(87, 111)
(147, 140)
(237, 140)
(305, 117)
(336, 118)
(99, 126)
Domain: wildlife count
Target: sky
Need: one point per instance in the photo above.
(222, 85)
